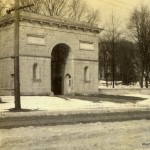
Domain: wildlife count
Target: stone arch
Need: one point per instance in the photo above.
(61, 57)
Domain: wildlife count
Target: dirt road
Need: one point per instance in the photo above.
(130, 135)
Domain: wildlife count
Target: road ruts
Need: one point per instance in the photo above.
(50, 120)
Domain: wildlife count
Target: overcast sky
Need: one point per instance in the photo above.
(120, 8)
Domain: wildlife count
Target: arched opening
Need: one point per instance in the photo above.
(59, 62)
(68, 83)
(36, 72)
(86, 74)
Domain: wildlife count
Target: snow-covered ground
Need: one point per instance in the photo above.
(129, 135)
(53, 104)
(118, 84)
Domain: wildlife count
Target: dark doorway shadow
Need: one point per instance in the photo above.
(59, 56)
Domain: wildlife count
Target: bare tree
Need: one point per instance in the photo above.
(73, 9)
(93, 16)
(125, 61)
(38, 5)
(139, 25)
(110, 37)
(55, 7)
(77, 10)
(105, 59)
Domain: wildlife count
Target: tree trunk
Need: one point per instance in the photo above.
(146, 77)
(141, 78)
(113, 65)
(106, 78)
(146, 81)
(142, 74)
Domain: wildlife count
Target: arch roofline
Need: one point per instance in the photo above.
(51, 21)
(64, 45)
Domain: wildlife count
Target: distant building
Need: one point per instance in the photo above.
(56, 55)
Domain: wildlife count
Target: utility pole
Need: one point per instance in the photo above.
(16, 58)
(16, 52)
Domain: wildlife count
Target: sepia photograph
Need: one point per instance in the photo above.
(74, 75)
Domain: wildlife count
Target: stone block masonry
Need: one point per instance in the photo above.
(56, 56)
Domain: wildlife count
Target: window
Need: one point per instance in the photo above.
(68, 77)
(86, 74)
(36, 72)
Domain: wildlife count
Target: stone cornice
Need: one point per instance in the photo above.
(51, 21)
